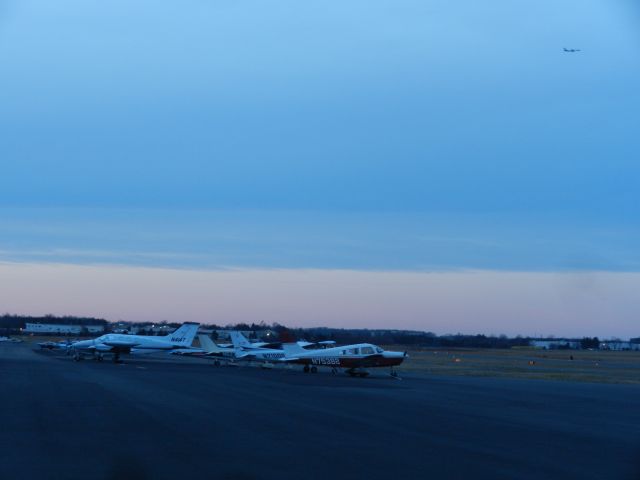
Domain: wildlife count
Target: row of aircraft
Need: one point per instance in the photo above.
(355, 359)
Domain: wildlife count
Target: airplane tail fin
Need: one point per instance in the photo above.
(209, 345)
(239, 340)
(293, 349)
(184, 335)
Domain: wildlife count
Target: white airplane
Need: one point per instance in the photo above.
(245, 350)
(117, 344)
(240, 341)
(10, 340)
(354, 358)
(266, 352)
(64, 345)
(208, 349)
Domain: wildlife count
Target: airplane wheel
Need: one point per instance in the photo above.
(76, 358)
(314, 369)
(217, 363)
(99, 358)
(306, 369)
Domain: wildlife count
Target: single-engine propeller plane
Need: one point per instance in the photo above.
(356, 359)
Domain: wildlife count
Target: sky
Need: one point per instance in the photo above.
(446, 163)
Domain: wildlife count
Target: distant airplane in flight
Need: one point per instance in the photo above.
(571, 50)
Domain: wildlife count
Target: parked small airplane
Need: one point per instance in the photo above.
(355, 358)
(55, 345)
(240, 341)
(571, 50)
(245, 350)
(267, 352)
(208, 349)
(10, 340)
(117, 344)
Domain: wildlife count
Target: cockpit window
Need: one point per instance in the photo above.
(367, 350)
(379, 350)
(353, 351)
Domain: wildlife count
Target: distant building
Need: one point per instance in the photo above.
(555, 343)
(61, 329)
(619, 345)
(161, 329)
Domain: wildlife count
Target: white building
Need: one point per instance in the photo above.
(555, 343)
(619, 345)
(61, 329)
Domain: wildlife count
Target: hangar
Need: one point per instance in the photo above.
(61, 328)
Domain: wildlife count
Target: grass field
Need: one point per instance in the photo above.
(586, 366)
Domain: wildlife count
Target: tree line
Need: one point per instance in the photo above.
(11, 324)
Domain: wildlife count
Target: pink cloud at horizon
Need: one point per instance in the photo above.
(490, 302)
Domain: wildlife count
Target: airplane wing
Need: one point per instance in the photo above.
(112, 346)
(272, 345)
(197, 352)
(245, 356)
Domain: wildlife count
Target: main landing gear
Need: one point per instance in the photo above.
(308, 369)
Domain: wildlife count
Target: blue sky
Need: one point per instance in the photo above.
(413, 136)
